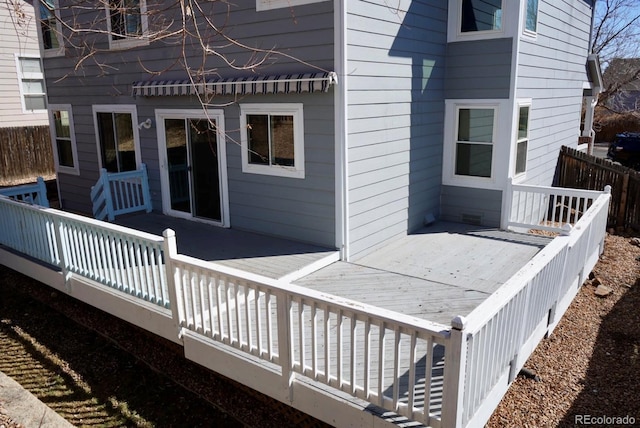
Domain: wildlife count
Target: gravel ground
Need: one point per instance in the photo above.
(589, 366)
(591, 363)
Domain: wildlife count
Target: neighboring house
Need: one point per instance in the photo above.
(621, 79)
(434, 108)
(21, 75)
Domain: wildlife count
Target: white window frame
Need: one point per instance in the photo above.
(292, 109)
(30, 76)
(454, 31)
(531, 34)
(128, 42)
(117, 108)
(501, 137)
(279, 4)
(521, 103)
(46, 53)
(75, 170)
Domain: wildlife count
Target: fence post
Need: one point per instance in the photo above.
(106, 190)
(284, 344)
(622, 207)
(170, 250)
(455, 364)
(507, 205)
(61, 247)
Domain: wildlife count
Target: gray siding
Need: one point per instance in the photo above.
(551, 72)
(467, 205)
(302, 209)
(479, 69)
(395, 115)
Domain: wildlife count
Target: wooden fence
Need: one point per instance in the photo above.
(579, 170)
(25, 153)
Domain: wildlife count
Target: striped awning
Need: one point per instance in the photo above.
(284, 83)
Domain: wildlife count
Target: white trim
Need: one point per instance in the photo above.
(117, 108)
(128, 42)
(30, 76)
(262, 5)
(341, 125)
(216, 115)
(47, 53)
(289, 109)
(75, 170)
(501, 138)
(519, 177)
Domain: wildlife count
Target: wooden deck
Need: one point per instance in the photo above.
(440, 272)
(261, 254)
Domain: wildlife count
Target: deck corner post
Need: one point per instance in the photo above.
(285, 350)
(106, 189)
(42, 198)
(170, 249)
(507, 204)
(455, 363)
(146, 193)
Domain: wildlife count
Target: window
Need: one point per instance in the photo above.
(117, 137)
(34, 98)
(531, 16)
(272, 139)
(277, 4)
(50, 27)
(474, 141)
(522, 140)
(63, 136)
(481, 15)
(127, 21)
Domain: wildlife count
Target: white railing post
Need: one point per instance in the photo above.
(41, 194)
(61, 247)
(170, 250)
(284, 344)
(455, 363)
(507, 205)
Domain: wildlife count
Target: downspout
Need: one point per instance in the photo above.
(340, 129)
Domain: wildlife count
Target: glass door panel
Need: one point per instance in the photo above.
(204, 172)
(177, 164)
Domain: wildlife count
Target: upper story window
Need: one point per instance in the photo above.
(531, 17)
(278, 4)
(34, 98)
(522, 139)
(481, 15)
(127, 22)
(50, 28)
(64, 139)
(117, 137)
(272, 137)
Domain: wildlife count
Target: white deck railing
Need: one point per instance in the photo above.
(117, 193)
(500, 334)
(35, 193)
(385, 358)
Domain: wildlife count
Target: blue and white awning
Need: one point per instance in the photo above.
(280, 84)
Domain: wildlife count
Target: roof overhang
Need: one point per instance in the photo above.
(284, 83)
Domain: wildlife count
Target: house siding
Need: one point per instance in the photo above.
(16, 38)
(467, 205)
(551, 72)
(395, 112)
(479, 69)
(302, 209)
